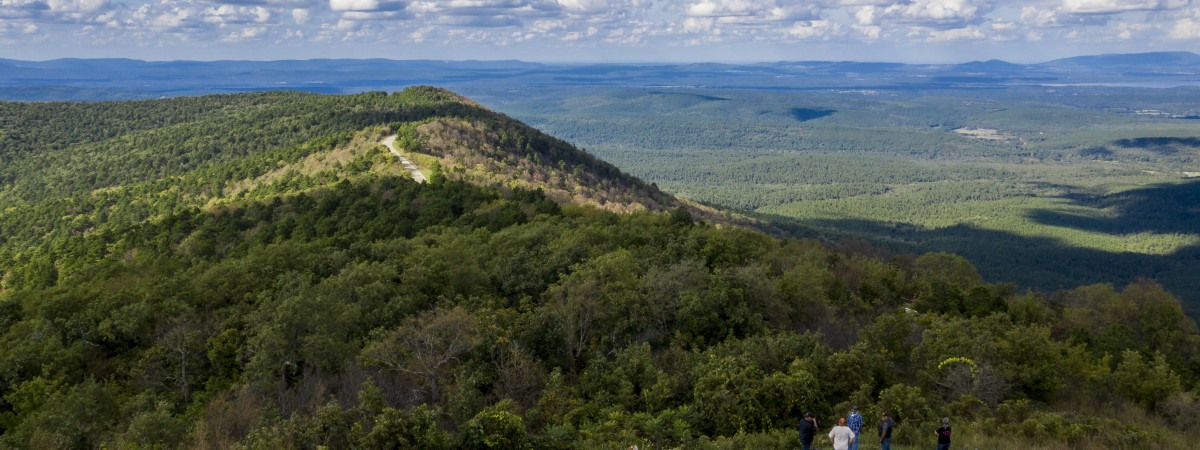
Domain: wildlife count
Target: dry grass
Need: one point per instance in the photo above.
(362, 142)
(985, 134)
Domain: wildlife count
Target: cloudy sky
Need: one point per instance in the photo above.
(596, 30)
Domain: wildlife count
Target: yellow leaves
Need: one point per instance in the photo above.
(974, 368)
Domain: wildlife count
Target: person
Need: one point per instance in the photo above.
(943, 434)
(885, 432)
(808, 429)
(856, 425)
(841, 436)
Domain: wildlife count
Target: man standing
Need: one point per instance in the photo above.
(943, 434)
(841, 436)
(856, 425)
(885, 432)
(808, 429)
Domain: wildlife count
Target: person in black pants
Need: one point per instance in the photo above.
(808, 428)
(943, 434)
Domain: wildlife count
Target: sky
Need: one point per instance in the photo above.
(915, 31)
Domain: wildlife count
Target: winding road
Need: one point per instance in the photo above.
(416, 174)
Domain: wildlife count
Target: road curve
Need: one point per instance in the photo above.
(416, 174)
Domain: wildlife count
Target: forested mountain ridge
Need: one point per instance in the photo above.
(272, 279)
(503, 153)
(80, 168)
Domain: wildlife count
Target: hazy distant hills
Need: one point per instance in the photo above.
(118, 79)
(1161, 60)
(991, 65)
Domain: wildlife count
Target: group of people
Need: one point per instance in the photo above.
(847, 434)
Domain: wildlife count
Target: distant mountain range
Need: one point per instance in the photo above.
(1122, 61)
(119, 79)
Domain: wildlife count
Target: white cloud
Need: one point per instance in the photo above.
(709, 8)
(261, 15)
(1126, 31)
(591, 6)
(75, 5)
(1187, 28)
(300, 16)
(1032, 15)
(171, 19)
(1108, 6)
(752, 11)
(545, 26)
(244, 34)
(585, 24)
(957, 34)
(929, 12)
(814, 28)
(229, 14)
(372, 15)
(869, 31)
(698, 24)
(354, 5)
(867, 15)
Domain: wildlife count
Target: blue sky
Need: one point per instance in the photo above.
(596, 30)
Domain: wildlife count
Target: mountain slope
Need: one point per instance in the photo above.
(80, 168)
(281, 283)
(505, 153)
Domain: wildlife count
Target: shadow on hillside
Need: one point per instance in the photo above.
(1041, 263)
(1164, 208)
(807, 114)
(1164, 146)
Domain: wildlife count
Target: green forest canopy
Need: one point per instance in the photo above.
(355, 308)
(1070, 187)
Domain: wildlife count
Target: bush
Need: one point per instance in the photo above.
(157, 428)
(909, 408)
(495, 427)
(1147, 382)
(416, 429)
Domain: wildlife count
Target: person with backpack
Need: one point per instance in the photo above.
(885, 432)
(943, 435)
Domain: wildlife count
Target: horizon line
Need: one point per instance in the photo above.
(599, 62)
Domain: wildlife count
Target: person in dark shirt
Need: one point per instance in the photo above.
(943, 434)
(808, 429)
(885, 432)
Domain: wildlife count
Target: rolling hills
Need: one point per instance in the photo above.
(254, 270)
(1031, 185)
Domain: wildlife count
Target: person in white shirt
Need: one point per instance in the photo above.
(841, 436)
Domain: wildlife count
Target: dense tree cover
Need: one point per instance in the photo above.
(75, 169)
(92, 164)
(308, 293)
(386, 313)
(1037, 203)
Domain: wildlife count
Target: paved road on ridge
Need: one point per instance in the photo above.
(416, 174)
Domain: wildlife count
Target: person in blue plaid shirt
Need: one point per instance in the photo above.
(856, 425)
